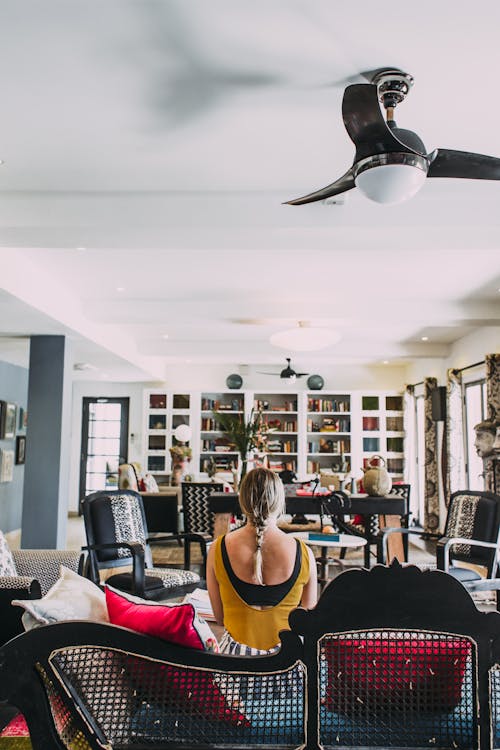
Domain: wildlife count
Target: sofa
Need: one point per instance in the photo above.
(391, 657)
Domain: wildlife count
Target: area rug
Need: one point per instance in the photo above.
(174, 555)
(15, 735)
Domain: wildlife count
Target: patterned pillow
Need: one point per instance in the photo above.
(7, 565)
(71, 598)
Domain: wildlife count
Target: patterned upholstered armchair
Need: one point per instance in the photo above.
(117, 536)
(28, 574)
(471, 536)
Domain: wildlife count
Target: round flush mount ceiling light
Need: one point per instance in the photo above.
(391, 178)
(304, 338)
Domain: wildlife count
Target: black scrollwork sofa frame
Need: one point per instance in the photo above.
(392, 657)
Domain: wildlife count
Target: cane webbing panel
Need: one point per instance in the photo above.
(70, 735)
(397, 688)
(495, 705)
(136, 700)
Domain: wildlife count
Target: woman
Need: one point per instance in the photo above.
(257, 574)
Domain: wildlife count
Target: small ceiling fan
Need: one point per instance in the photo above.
(391, 164)
(288, 373)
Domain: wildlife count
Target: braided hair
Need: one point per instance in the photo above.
(262, 496)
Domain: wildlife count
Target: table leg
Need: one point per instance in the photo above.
(222, 522)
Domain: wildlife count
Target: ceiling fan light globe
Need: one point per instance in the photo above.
(307, 339)
(391, 178)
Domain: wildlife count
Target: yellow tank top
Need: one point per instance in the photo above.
(257, 628)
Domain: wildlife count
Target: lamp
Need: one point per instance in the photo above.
(391, 178)
(183, 433)
(304, 338)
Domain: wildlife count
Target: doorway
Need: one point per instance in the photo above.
(104, 443)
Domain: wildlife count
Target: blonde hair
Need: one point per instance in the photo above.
(262, 496)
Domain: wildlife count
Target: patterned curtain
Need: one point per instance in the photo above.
(431, 508)
(493, 387)
(410, 446)
(492, 470)
(455, 443)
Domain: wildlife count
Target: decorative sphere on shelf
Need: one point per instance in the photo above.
(234, 381)
(183, 433)
(315, 382)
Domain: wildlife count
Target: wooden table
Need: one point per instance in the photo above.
(388, 509)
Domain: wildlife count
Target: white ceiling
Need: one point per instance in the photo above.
(162, 136)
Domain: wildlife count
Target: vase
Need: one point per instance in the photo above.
(177, 472)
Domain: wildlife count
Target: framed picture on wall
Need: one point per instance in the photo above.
(10, 421)
(6, 466)
(20, 449)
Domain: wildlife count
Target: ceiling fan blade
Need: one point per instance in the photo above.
(260, 372)
(464, 164)
(344, 183)
(365, 123)
(301, 374)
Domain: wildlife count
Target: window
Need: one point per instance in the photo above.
(475, 412)
(420, 441)
(104, 443)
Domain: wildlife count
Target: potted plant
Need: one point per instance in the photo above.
(245, 435)
(179, 455)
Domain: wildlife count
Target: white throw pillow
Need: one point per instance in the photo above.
(72, 597)
(7, 564)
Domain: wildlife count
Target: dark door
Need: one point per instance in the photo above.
(104, 443)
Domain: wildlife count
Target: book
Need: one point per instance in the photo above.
(201, 602)
(317, 537)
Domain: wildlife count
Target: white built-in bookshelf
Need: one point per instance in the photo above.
(309, 431)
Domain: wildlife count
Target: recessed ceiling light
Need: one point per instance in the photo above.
(385, 362)
(120, 288)
(164, 335)
(81, 248)
(425, 338)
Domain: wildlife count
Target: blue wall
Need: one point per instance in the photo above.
(14, 390)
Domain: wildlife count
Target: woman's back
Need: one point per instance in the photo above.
(257, 574)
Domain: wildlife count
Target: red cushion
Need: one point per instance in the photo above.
(417, 671)
(177, 623)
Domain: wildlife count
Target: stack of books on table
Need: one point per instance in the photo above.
(200, 600)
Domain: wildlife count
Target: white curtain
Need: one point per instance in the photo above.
(410, 447)
(455, 439)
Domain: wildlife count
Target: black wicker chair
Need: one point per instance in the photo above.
(117, 536)
(392, 657)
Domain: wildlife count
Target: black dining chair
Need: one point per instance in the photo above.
(117, 536)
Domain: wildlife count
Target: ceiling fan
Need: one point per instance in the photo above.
(391, 164)
(287, 373)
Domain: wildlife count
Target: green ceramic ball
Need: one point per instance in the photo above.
(234, 381)
(315, 382)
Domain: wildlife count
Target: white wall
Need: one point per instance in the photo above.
(468, 350)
